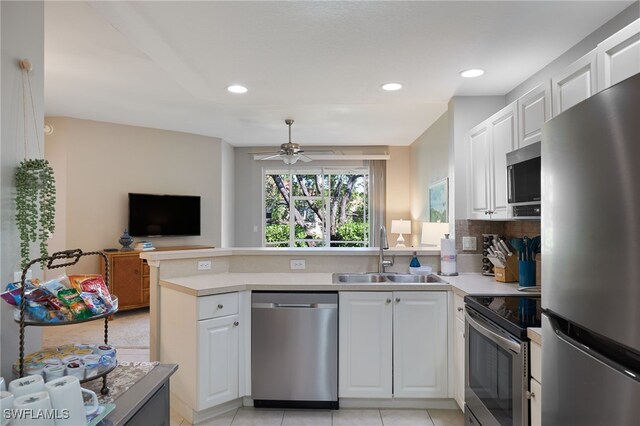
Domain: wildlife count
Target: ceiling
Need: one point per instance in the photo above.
(166, 64)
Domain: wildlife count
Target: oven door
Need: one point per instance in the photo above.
(496, 374)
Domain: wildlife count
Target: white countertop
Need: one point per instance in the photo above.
(283, 251)
(208, 284)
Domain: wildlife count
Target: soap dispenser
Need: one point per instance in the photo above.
(415, 263)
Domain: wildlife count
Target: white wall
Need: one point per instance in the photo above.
(22, 36)
(429, 163)
(100, 163)
(398, 191)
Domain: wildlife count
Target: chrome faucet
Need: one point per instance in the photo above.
(384, 245)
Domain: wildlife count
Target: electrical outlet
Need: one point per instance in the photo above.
(17, 275)
(469, 243)
(204, 265)
(298, 264)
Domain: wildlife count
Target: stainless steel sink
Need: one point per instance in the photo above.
(407, 278)
(375, 277)
(359, 278)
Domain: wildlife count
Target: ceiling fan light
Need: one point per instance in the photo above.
(290, 159)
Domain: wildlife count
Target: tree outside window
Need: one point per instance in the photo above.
(316, 208)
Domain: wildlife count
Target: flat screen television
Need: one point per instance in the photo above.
(163, 215)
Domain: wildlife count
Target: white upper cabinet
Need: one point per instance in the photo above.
(488, 145)
(619, 56)
(575, 84)
(478, 142)
(503, 140)
(534, 108)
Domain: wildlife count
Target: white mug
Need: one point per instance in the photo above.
(53, 372)
(6, 403)
(26, 385)
(31, 407)
(66, 394)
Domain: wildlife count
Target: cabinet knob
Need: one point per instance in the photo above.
(220, 306)
(460, 309)
(388, 300)
(397, 300)
(236, 323)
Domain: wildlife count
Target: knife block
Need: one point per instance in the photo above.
(508, 274)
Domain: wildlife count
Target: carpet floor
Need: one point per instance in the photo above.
(128, 329)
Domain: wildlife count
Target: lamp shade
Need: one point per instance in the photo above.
(400, 226)
(432, 232)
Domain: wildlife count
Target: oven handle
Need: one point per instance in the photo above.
(492, 335)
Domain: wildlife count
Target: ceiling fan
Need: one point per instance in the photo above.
(289, 152)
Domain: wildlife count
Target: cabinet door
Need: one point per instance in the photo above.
(535, 401)
(217, 361)
(575, 84)
(126, 281)
(534, 108)
(619, 56)
(365, 342)
(420, 344)
(458, 368)
(478, 143)
(503, 137)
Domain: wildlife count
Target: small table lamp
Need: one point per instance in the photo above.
(432, 232)
(400, 227)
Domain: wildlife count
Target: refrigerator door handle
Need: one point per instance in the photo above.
(492, 335)
(635, 375)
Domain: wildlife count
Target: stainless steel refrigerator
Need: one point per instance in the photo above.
(591, 261)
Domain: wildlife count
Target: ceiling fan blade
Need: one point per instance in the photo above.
(270, 157)
(304, 158)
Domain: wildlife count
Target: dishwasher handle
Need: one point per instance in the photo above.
(294, 305)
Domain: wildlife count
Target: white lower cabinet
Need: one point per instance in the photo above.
(393, 344)
(218, 360)
(535, 384)
(458, 351)
(206, 336)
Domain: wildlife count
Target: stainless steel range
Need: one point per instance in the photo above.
(497, 358)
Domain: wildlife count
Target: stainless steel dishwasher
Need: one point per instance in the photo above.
(294, 350)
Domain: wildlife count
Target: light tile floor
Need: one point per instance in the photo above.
(248, 416)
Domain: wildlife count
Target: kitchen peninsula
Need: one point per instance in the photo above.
(184, 299)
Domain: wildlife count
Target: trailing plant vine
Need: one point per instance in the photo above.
(35, 205)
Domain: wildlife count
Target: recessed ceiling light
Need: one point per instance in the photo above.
(236, 88)
(473, 72)
(391, 86)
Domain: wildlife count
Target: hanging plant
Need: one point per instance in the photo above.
(35, 205)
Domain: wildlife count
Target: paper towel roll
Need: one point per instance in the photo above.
(448, 257)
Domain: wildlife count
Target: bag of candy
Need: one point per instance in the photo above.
(95, 303)
(55, 285)
(96, 285)
(72, 300)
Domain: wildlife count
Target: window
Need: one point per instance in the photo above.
(327, 207)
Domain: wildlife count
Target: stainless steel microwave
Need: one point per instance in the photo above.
(523, 181)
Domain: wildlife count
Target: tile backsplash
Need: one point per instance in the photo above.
(508, 229)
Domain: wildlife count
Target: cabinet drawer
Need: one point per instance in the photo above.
(218, 305)
(458, 306)
(536, 361)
